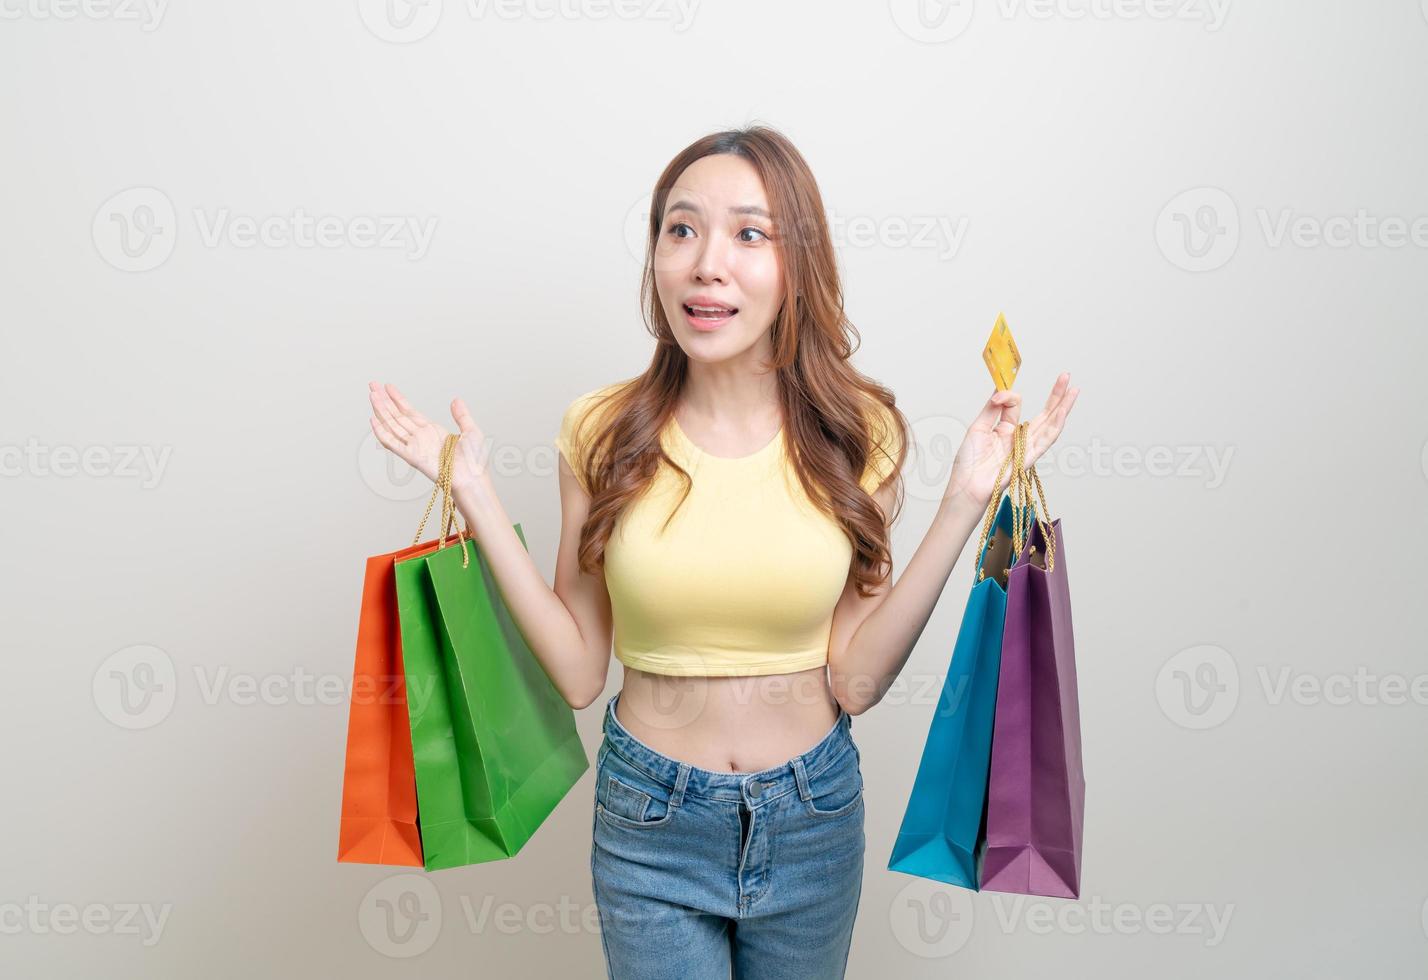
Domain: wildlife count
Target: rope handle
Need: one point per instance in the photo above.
(1027, 477)
(1019, 486)
(991, 517)
(450, 516)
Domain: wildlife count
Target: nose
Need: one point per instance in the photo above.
(712, 265)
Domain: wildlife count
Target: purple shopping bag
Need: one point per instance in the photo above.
(1036, 792)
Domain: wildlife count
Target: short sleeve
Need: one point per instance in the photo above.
(886, 448)
(579, 426)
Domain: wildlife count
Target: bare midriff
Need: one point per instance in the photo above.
(728, 724)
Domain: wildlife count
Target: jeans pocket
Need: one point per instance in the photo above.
(837, 789)
(627, 797)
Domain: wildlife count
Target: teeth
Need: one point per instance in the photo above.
(710, 309)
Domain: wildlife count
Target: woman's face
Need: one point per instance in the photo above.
(715, 249)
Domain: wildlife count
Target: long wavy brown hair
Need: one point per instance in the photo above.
(826, 401)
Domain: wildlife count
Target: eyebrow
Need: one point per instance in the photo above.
(741, 209)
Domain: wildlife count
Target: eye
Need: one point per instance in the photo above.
(676, 226)
(757, 231)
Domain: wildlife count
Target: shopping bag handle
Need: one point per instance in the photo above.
(449, 514)
(1027, 477)
(1019, 486)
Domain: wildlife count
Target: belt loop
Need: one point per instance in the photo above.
(680, 781)
(800, 776)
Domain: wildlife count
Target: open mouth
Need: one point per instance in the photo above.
(710, 314)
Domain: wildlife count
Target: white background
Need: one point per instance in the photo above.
(1214, 216)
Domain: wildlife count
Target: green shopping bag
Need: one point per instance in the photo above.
(494, 743)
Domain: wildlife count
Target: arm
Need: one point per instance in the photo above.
(873, 637)
(569, 628)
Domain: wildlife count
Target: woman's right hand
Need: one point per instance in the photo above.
(417, 441)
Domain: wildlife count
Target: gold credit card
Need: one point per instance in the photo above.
(1001, 355)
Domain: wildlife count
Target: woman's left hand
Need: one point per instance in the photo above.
(989, 440)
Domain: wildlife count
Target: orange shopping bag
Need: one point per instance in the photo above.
(379, 801)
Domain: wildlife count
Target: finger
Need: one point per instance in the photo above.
(406, 409)
(1056, 398)
(1058, 390)
(1054, 402)
(387, 412)
(991, 411)
(463, 418)
(1057, 416)
(1011, 412)
(1046, 431)
(384, 435)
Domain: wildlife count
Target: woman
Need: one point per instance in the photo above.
(725, 521)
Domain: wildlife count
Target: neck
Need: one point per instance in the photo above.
(729, 394)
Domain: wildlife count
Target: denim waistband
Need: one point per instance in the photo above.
(753, 788)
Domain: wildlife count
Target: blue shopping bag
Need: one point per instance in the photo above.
(941, 829)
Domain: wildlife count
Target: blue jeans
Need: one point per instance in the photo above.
(699, 873)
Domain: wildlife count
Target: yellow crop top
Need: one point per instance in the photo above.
(745, 578)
